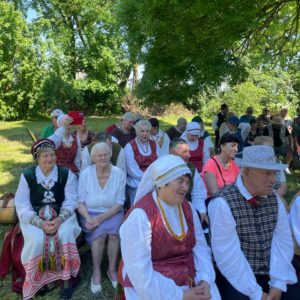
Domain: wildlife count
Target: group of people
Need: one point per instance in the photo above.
(172, 187)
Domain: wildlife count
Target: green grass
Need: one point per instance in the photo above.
(15, 156)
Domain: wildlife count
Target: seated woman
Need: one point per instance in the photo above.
(159, 136)
(199, 150)
(85, 135)
(45, 202)
(101, 195)
(67, 144)
(221, 169)
(139, 154)
(163, 247)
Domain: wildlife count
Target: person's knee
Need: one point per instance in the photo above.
(113, 238)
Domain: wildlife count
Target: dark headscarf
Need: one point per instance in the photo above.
(39, 145)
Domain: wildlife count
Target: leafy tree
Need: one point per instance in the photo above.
(189, 45)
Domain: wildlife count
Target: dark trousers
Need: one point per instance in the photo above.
(228, 292)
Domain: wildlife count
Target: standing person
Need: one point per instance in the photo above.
(199, 151)
(221, 169)
(218, 119)
(163, 247)
(282, 140)
(248, 116)
(45, 202)
(85, 135)
(176, 131)
(265, 116)
(297, 118)
(287, 120)
(49, 130)
(118, 153)
(250, 235)
(101, 195)
(68, 147)
(158, 136)
(197, 191)
(139, 154)
(125, 131)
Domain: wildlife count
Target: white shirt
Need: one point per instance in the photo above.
(58, 137)
(294, 217)
(99, 199)
(135, 234)
(198, 193)
(134, 173)
(22, 199)
(86, 159)
(230, 259)
(164, 149)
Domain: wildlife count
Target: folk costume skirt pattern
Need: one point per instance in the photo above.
(33, 251)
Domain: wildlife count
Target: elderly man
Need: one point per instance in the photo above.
(125, 131)
(49, 130)
(197, 191)
(176, 131)
(250, 235)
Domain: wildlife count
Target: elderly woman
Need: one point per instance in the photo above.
(199, 150)
(139, 154)
(101, 195)
(221, 169)
(45, 202)
(163, 247)
(68, 146)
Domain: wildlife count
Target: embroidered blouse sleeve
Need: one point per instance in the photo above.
(22, 202)
(227, 252)
(282, 250)
(198, 193)
(294, 217)
(135, 234)
(70, 202)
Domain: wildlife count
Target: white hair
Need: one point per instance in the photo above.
(142, 123)
(100, 146)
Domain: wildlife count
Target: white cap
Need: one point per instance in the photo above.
(56, 113)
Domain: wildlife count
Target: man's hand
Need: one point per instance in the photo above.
(274, 294)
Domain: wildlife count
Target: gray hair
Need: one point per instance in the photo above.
(100, 146)
(142, 123)
(175, 142)
(103, 136)
(181, 121)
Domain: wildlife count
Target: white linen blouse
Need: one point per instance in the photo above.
(294, 217)
(135, 234)
(99, 199)
(22, 199)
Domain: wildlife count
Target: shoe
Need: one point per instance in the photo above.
(95, 288)
(114, 283)
(287, 171)
(66, 293)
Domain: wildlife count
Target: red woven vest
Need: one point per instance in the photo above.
(170, 257)
(66, 156)
(144, 161)
(197, 156)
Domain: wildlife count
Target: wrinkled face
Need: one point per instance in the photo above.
(259, 182)
(127, 125)
(175, 191)
(143, 133)
(192, 137)
(101, 158)
(47, 159)
(229, 149)
(154, 130)
(182, 150)
(182, 126)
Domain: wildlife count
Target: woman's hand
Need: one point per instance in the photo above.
(196, 293)
(67, 121)
(51, 227)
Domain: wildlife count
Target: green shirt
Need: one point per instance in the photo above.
(47, 131)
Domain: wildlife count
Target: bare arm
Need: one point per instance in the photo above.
(211, 183)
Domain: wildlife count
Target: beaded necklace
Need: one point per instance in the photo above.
(140, 144)
(178, 237)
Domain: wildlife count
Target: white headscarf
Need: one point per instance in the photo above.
(191, 128)
(60, 119)
(162, 171)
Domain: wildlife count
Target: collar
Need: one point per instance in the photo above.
(51, 178)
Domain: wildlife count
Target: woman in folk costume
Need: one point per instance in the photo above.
(45, 202)
(139, 154)
(199, 150)
(163, 246)
(160, 137)
(68, 146)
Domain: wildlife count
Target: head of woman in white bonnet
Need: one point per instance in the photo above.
(169, 176)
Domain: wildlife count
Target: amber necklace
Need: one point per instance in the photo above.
(178, 237)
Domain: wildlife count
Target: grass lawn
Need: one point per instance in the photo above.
(15, 156)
